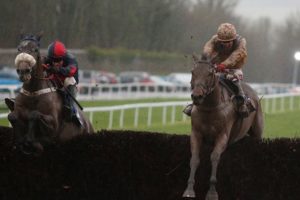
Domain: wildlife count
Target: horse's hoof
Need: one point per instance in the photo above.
(189, 194)
(212, 196)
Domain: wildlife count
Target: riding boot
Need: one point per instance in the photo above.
(188, 110)
(240, 98)
(72, 90)
(67, 107)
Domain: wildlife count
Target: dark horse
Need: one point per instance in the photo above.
(36, 115)
(214, 117)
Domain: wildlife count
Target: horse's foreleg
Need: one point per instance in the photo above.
(39, 123)
(38, 126)
(257, 127)
(19, 127)
(219, 148)
(45, 122)
(194, 163)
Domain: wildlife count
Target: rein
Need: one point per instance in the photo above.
(212, 83)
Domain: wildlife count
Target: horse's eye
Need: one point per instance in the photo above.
(27, 70)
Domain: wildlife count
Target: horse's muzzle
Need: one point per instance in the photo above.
(24, 75)
(31, 148)
(197, 99)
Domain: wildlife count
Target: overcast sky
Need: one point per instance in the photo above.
(277, 10)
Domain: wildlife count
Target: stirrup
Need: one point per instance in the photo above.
(188, 110)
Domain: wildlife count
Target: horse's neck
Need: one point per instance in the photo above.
(215, 97)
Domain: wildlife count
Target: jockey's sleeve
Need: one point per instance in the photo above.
(68, 71)
(208, 49)
(238, 57)
(70, 68)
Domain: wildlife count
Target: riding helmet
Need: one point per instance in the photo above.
(226, 32)
(56, 50)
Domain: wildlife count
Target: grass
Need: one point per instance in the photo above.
(283, 124)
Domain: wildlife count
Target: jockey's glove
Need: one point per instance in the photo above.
(53, 69)
(220, 67)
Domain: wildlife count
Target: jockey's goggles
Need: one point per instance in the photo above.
(56, 60)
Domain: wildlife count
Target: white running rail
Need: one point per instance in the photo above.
(271, 104)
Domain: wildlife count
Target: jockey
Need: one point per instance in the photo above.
(227, 51)
(62, 67)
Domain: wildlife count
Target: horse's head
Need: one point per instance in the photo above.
(24, 63)
(203, 80)
(28, 56)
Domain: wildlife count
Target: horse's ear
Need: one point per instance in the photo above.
(195, 58)
(22, 34)
(39, 35)
(204, 57)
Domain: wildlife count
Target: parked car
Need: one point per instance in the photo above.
(9, 76)
(94, 76)
(134, 76)
(106, 77)
(179, 78)
(87, 76)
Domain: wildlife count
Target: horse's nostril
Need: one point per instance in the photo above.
(27, 148)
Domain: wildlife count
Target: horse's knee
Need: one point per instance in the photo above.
(10, 103)
(12, 118)
(215, 156)
(195, 160)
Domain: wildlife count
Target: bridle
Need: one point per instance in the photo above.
(209, 88)
(24, 49)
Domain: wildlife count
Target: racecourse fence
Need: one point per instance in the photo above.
(271, 104)
(89, 91)
(170, 112)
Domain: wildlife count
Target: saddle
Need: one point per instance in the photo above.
(233, 90)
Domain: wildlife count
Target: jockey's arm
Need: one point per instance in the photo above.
(208, 48)
(237, 57)
(68, 71)
(70, 68)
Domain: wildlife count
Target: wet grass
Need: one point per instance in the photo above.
(281, 124)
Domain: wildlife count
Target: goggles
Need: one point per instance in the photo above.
(56, 60)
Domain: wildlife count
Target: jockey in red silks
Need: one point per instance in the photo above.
(62, 68)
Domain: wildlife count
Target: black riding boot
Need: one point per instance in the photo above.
(240, 99)
(188, 110)
(72, 90)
